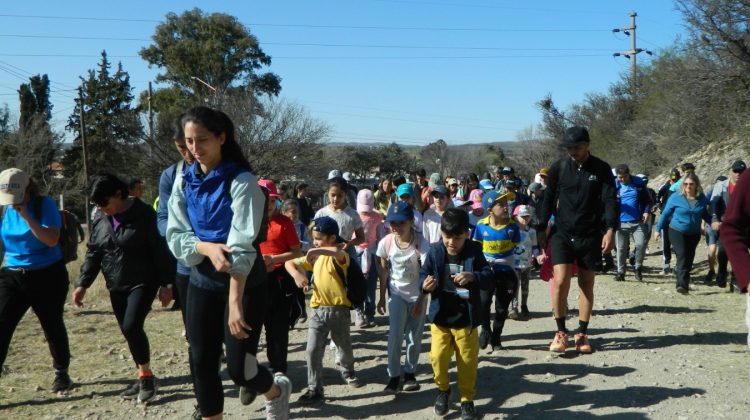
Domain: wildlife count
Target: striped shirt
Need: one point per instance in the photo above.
(498, 243)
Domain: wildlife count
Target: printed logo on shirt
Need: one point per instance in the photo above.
(593, 178)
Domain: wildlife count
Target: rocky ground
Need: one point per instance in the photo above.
(658, 355)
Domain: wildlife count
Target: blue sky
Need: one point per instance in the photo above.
(407, 71)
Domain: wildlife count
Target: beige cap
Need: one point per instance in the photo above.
(13, 183)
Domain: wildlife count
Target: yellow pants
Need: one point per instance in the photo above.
(464, 342)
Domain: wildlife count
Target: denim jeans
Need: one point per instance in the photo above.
(402, 325)
(372, 284)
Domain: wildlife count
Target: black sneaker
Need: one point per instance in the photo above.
(484, 339)
(721, 281)
(410, 382)
(62, 382)
(681, 290)
(709, 277)
(620, 277)
(247, 395)
(497, 347)
(311, 397)
(639, 274)
(132, 391)
(147, 390)
(441, 402)
(525, 311)
(393, 385)
(196, 413)
(467, 410)
(351, 379)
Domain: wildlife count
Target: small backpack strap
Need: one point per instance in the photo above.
(340, 272)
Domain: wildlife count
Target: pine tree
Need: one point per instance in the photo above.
(113, 129)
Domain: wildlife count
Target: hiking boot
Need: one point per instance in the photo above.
(410, 382)
(639, 273)
(681, 290)
(62, 382)
(559, 343)
(351, 379)
(525, 311)
(278, 408)
(467, 410)
(147, 390)
(441, 402)
(582, 344)
(311, 397)
(513, 314)
(132, 391)
(620, 277)
(393, 385)
(484, 339)
(247, 395)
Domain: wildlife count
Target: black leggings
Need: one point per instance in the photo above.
(282, 293)
(131, 308)
(207, 328)
(45, 291)
(684, 248)
(503, 287)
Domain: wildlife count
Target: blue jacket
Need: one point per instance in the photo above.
(166, 181)
(634, 198)
(209, 205)
(684, 218)
(447, 309)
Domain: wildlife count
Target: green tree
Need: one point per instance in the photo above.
(34, 100)
(112, 126)
(215, 48)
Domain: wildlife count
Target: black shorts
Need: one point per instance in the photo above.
(587, 252)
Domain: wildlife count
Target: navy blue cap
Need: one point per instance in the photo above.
(400, 211)
(327, 226)
(440, 190)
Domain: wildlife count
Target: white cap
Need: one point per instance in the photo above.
(347, 176)
(13, 183)
(334, 174)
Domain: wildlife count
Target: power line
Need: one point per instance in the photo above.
(92, 38)
(365, 27)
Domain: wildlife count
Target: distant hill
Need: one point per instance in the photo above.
(511, 148)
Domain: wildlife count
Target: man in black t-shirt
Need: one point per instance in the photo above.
(581, 195)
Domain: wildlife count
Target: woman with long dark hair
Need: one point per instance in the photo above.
(126, 247)
(34, 274)
(216, 214)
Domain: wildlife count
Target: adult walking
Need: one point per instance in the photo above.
(126, 247)
(720, 201)
(216, 214)
(735, 232)
(635, 208)
(34, 274)
(581, 196)
(684, 211)
(665, 191)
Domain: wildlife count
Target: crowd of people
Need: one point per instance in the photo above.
(243, 256)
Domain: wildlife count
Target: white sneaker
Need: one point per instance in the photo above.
(278, 408)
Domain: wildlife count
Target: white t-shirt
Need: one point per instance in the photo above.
(524, 250)
(431, 226)
(348, 220)
(404, 272)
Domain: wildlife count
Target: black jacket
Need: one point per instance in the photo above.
(447, 309)
(136, 255)
(584, 201)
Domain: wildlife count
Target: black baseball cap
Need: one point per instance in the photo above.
(574, 136)
(738, 166)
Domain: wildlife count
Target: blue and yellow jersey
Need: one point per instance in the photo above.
(498, 241)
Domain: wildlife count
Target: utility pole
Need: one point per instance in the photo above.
(85, 168)
(150, 115)
(632, 53)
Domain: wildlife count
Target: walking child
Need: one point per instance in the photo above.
(453, 273)
(400, 254)
(498, 236)
(329, 305)
(526, 251)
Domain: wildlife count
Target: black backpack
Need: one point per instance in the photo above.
(354, 283)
